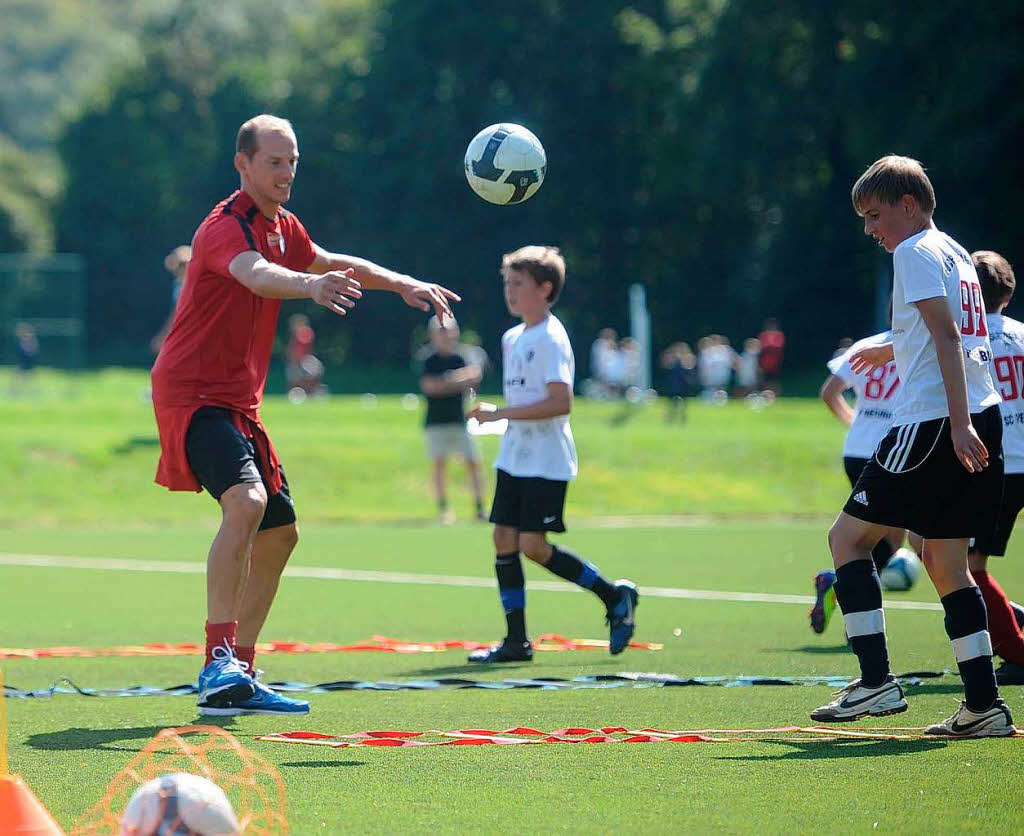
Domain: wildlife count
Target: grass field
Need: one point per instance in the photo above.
(69, 747)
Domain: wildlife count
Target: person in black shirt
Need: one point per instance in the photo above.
(446, 378)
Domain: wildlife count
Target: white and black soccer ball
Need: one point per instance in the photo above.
(505, 163)
(179, 804)
(901, 572)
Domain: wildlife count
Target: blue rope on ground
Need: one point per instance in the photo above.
(618, 680)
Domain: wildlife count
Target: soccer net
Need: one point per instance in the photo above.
(253, 785)
(42, 303)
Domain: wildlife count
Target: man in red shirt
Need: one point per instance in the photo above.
(773, 343)
(208, 381)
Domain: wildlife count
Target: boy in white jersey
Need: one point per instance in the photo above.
(938, 471)
(1007, 338)
(868, 420)
(537, 459)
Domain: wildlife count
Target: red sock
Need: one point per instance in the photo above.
(217, 634)
(1002, 626)
(247, 655)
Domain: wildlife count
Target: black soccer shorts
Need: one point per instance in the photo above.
(915, 481)
(993, 542)
(221, 457)
(529, 503)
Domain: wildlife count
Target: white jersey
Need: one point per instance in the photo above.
(875, 390)
(1007, 337)
(926, 266)
(532, 358)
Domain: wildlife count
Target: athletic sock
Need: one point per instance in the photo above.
(569, 565)
(881, 553)
(967, 628)
(217, 634)
(247, 655)
(512, 588)
(859, 595)
(1002, 622)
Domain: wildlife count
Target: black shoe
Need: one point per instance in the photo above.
(1018, 614)
(505, 652)
(1010, 673)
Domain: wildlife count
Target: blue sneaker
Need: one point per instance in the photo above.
(620, 617)
(224, 680)
(264, 700)
(824, 600)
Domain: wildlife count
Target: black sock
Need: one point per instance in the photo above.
(569, 565)
(881, 553)
(967, 628)
(512, 588)
(859, 595)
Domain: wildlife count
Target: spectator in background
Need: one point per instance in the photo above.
(715, 361)
(447, 378)
(26, 353)
(630, 358)
(604, 363)
(748, 371)
(680, 367)
(303, 370)
(176, 262)
(773, 342)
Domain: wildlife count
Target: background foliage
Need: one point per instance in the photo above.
(704, 148)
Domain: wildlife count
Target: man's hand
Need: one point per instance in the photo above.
(484, 412)
(871, 358)
(336, 290)
(424, 296)
(969, 448)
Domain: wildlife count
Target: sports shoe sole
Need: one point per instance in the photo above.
(208, 711)
(885, 712)
(1010, 732)
(226, 694)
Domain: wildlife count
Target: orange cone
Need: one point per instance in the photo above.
(21, 813)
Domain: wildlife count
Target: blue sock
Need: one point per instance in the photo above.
(859, 595)
(512, 588)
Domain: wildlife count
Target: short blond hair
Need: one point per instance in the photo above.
(543, 264)
(889, 179)
(248, 140)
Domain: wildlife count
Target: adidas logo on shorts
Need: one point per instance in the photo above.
(861, 497)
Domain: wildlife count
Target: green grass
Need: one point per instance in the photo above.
(76, 451)
(95, 501)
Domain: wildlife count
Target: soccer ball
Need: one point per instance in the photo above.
(179, 804)
(901, 572)
(505, 163)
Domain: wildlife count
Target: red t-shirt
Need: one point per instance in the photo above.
(772, 345)
(217, 351)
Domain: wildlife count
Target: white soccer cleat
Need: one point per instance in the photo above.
(855, 701)
(995, 722)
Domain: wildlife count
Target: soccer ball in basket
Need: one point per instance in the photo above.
(505, 163)
(901, 572)
(179, 804)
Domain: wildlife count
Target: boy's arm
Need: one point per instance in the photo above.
(451, 382)
(557, 402)
(871, 357)
(832, 394)
(949, 350)
(416, 294)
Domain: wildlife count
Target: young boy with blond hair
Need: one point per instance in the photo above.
(537, 459)
(939, 469)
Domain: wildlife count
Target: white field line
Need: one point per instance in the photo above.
(115, 564)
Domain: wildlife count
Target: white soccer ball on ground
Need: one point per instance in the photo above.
(505, 163)
(901, 572)
(179, 804)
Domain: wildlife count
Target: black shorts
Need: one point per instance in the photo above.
(915, 481)
(529, 503)
(853, 467)
(221, 457)
(993, 541)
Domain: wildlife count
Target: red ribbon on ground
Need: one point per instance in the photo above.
(375, 644)
(611, 734)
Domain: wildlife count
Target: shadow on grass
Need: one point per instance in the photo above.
(549, 667)
(75, 739)
(842, 748)
(322, 764)
(814, 648)
(136, 443)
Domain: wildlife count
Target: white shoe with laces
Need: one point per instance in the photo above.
(855, 701)
(993, 722)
